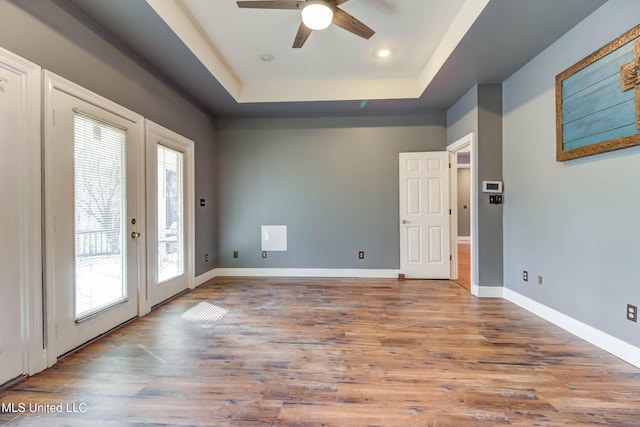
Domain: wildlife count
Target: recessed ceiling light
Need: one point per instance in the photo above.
(267, 57)
(382, 53)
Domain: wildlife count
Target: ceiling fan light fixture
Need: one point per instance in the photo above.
(317, 15)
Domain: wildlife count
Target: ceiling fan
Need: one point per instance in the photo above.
(316, 15)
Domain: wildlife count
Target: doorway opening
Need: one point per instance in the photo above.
(463, 160)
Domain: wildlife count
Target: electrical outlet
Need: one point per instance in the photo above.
(525, 275)
(264, 254)
(206, 257)
(632, 313)
(361, 255)
(539, 280)
(235, 254)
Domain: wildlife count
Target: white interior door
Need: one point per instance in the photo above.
(92, 153)
(11, 348)
(18, 119)
(424, 215)
(170, 216)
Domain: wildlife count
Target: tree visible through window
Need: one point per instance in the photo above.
(100, 214)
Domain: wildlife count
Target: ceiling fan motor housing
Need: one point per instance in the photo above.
(316, 15)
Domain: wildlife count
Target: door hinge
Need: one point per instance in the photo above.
(449, 211)
(450, 257)
(449, 165)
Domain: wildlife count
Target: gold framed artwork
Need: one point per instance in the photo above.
(598, 100)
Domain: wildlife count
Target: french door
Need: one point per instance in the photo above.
(170, 217)
(94, 203)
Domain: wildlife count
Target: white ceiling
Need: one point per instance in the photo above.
(210, 50)
(334, 64)
(331, 55)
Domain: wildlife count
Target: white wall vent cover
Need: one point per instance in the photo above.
(274, 237)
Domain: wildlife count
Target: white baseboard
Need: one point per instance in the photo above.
(464, 239)
(487, 291)
(307, 272)
(205, 277)
(608, 343)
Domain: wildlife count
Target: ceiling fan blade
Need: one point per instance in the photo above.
(339, 2)
(343, 20)
(301, 36)
(275, 4)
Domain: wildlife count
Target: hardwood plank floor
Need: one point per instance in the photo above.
(333, 352)
(464, 265)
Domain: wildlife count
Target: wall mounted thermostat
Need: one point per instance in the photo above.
(492, 186)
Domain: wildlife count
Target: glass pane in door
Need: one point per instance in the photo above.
(170, 214)
(100, 215)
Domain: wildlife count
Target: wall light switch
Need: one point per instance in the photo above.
(495, 199)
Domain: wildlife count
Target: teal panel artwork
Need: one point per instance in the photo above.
(598, 100)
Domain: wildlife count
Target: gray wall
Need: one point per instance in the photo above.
(575, 223)
(332, 180)
(462, 117)
(489, 149)
(464, 198)
(480, 111)
(52, 37)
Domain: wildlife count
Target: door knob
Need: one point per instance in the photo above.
(135, 234)
(404, 221)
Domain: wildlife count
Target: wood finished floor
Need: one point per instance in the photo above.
(332, 352)
(464, 265)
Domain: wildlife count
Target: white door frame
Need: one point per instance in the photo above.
(29, 204)
(54, 82)
(466, 141)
